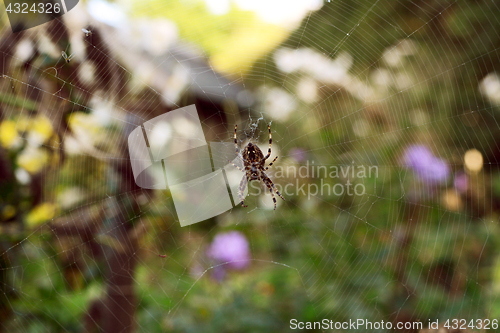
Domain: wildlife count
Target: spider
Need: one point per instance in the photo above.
(87, 32)
(66, 57)
(255, 161)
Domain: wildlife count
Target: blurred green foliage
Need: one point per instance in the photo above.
(403, 251)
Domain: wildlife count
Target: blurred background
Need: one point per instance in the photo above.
(410, 88)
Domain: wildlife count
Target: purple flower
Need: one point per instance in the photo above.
(461, 182)
(426, 166)
(298, 154)
(231, 248)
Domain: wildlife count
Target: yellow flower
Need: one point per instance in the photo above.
(8, 134)
(41, 129)
(32, 159)
(41, 214)
(473, 160)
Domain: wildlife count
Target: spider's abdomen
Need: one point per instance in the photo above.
(254, 161)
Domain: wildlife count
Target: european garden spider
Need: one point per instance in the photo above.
(255, 161)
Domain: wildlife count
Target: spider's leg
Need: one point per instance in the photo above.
(270, 142)
(271, 163)
(237, 167)
(235, 139)
(274, 198)
(269, 183)
(241, 190)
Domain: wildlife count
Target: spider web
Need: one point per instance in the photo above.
(403, 251)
